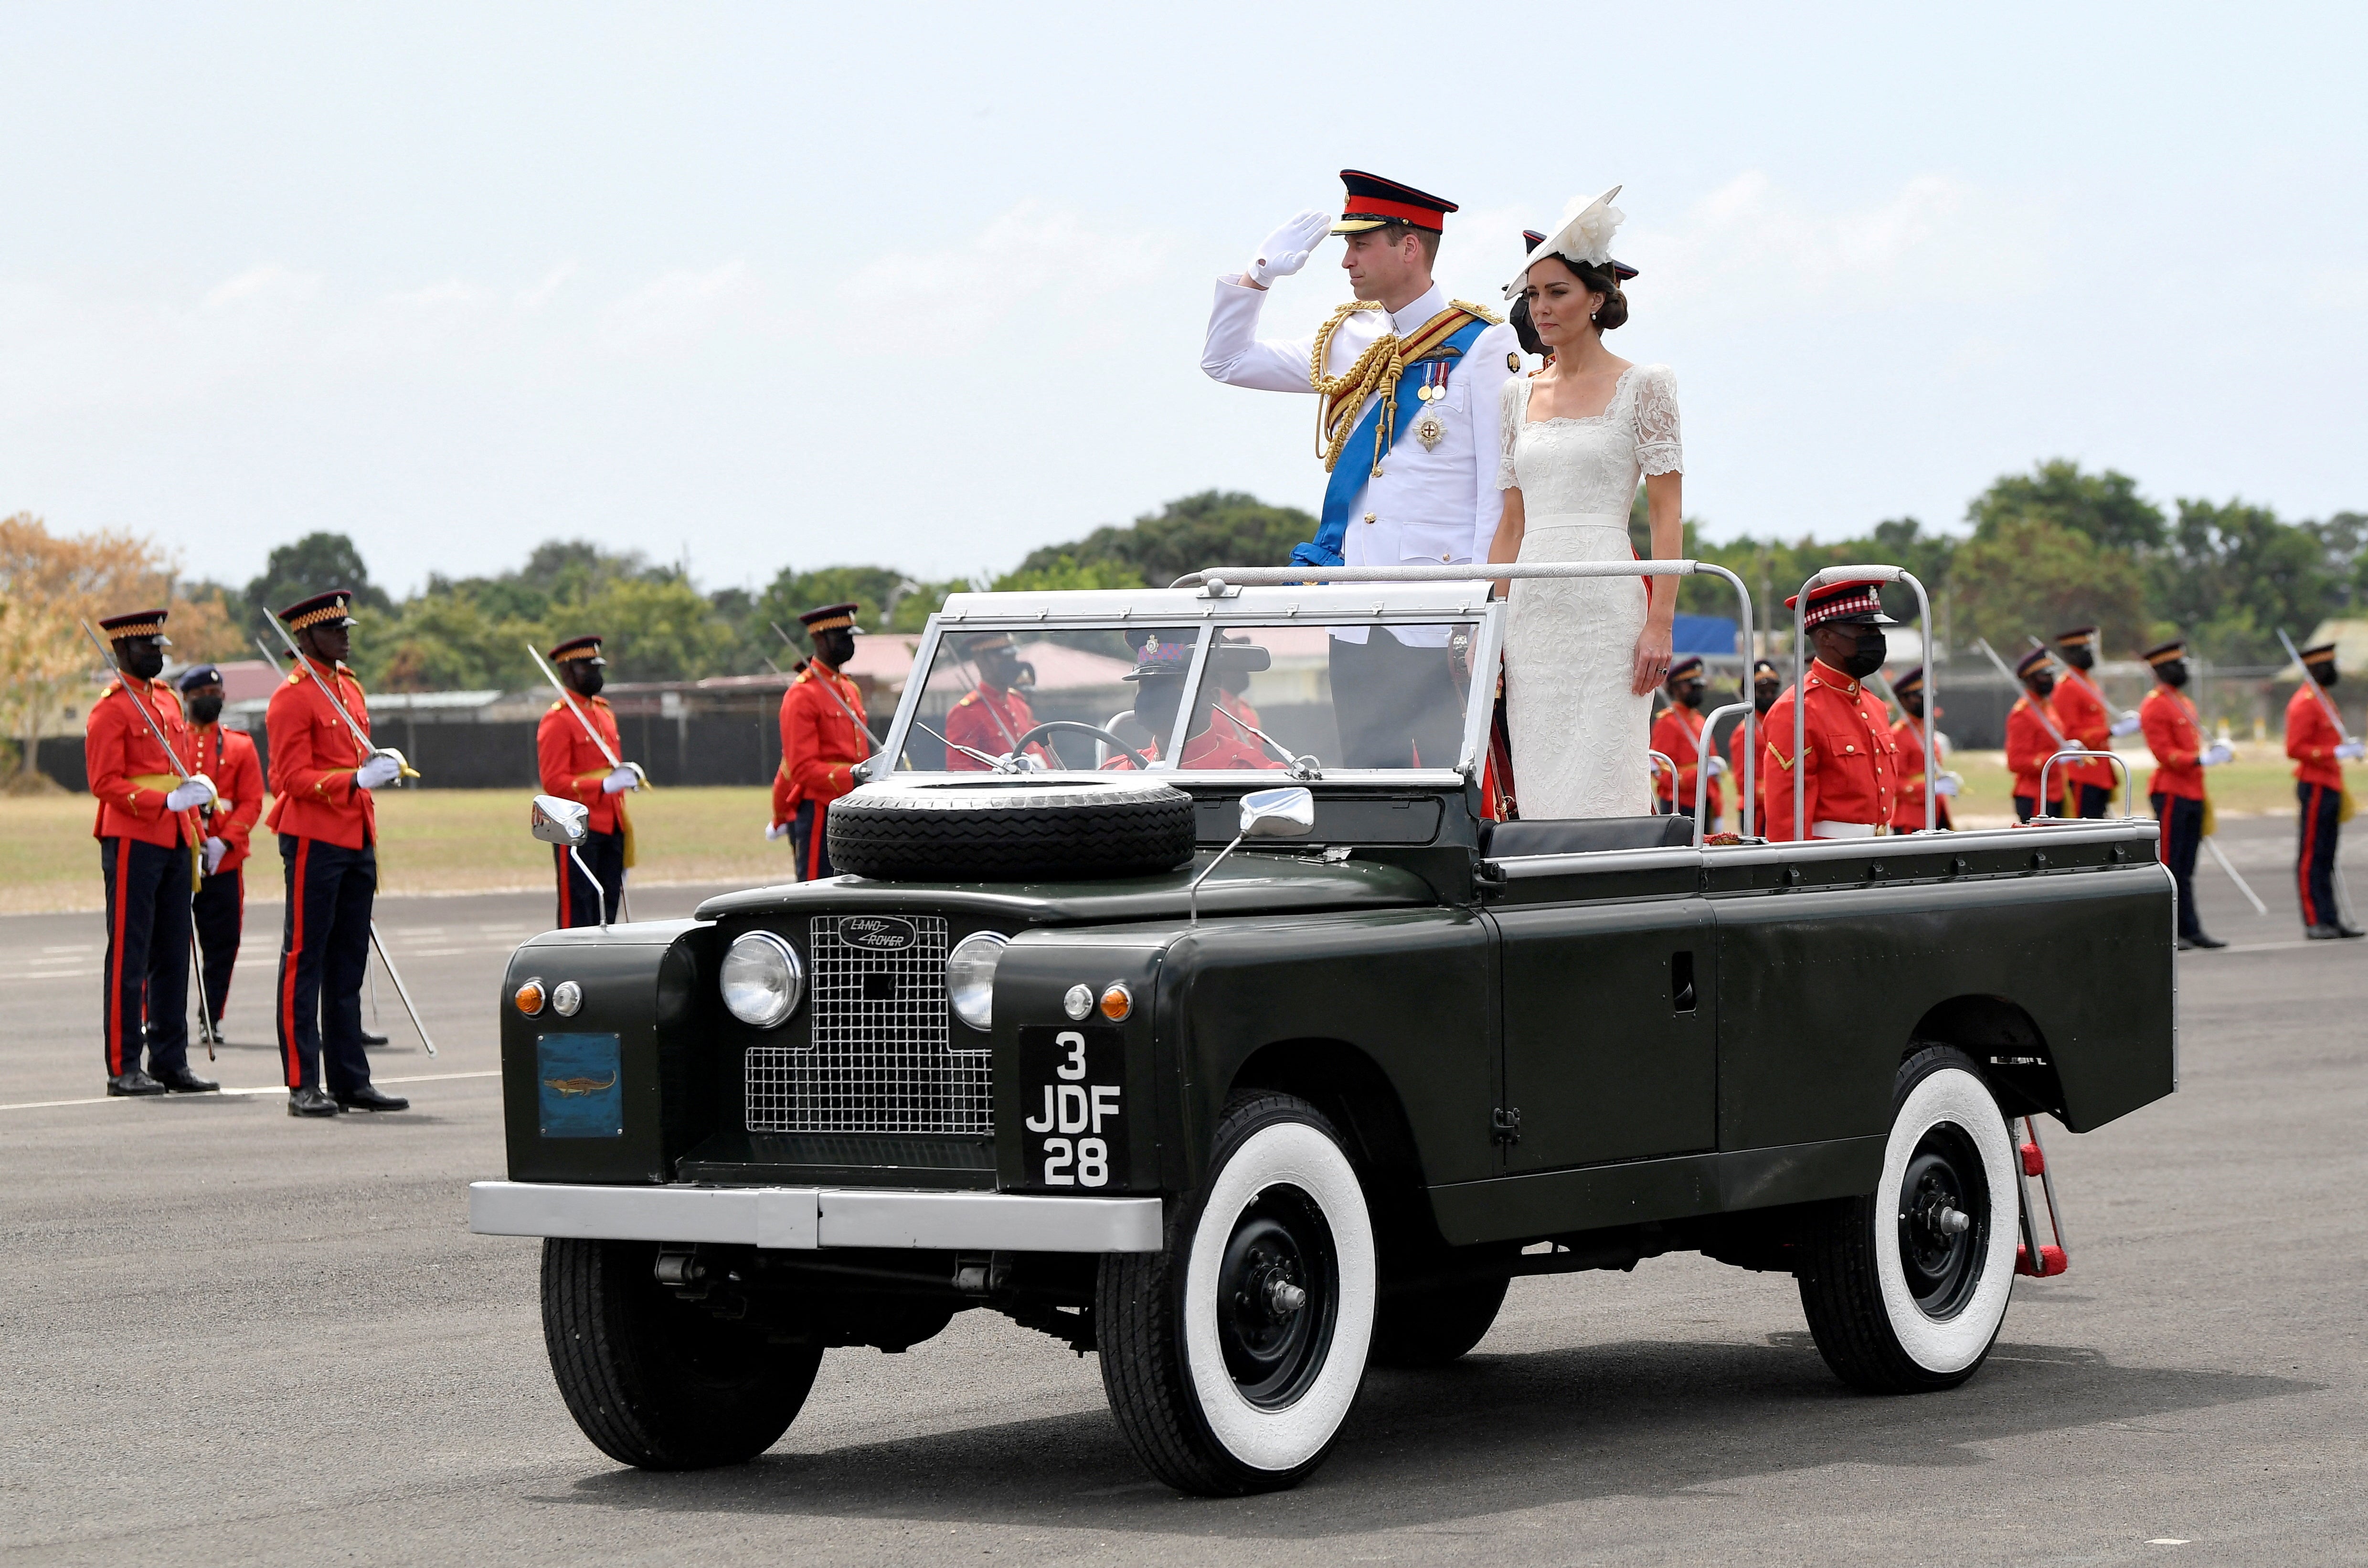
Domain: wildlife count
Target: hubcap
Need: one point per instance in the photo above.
(1277, 1297)
(1944, 1220)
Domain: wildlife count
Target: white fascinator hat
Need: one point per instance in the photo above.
(1585, 235)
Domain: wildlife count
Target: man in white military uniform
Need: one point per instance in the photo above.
(1408, 386)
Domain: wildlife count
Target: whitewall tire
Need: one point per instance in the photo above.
(1233, 1357)
(1906, 1289)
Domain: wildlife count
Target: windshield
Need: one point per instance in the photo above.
(1273, 698)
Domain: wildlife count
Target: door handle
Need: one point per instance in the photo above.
(1681, 981)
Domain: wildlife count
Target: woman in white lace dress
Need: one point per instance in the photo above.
(1582, 656)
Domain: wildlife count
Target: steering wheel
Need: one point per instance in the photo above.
(1118, 744)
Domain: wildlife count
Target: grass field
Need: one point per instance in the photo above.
(431, 841)
(475, 840)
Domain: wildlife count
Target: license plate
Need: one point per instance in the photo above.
(1072, 1107)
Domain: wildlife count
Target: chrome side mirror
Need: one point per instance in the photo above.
(1277, 813)
(555, 821)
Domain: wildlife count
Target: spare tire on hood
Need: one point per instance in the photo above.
(1010, 830)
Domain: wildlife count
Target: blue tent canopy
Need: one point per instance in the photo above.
(1703, 634)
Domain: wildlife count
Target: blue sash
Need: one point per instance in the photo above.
(1357, 459)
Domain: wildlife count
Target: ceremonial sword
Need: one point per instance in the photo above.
(157, 730)
(641, 779)
(360, 735)
(2343, 889)
(2126, 716)
(2062, 745)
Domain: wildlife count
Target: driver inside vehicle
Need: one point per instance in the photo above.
(1213, 740)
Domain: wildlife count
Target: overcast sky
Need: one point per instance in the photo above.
(922, 285)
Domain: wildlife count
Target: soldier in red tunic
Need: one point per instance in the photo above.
(993, 716)
(823, 737)
(227, 757)
(1677, 735)
(321, 779)
(149, 852)
(2032, 734)
(2175, 735)
(1212, 740)
(1766, 683)
(1848, 766)
(1917, 781)
(574, 769)
(2319, 752)
(2081, 714)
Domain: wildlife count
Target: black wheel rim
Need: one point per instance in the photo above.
(1278, 1296)
(1944, 1220)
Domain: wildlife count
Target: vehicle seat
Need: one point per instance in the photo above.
(1577, 836)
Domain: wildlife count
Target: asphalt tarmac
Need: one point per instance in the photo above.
(232, 1336)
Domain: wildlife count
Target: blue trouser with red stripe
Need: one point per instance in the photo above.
(605, 853)
(221, 909)
(147, 956)
(810, 839)
(324, 955)
(2183, 835)
(2315, 859)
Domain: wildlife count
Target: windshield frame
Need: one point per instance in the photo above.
(1365, 605)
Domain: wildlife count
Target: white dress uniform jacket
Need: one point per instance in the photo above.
(1434, 505)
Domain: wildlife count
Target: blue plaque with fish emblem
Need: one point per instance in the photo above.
(582, 1086)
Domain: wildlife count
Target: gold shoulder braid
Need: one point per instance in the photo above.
(1482, 312)
(1377, 370)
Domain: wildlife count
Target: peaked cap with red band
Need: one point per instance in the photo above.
(1372, 201)
(577, 648)
(1860, 602)
(329, 608)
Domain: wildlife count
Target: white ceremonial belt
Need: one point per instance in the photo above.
(1847, 829)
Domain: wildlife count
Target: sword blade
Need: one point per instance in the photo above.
(397, 976)
(154, 728)
(569, 697)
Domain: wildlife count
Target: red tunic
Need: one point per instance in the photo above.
(1676, 735)
(991, 721)
(227, 756)
(1737, 741)
(2311, 739)
(313, 758)
(2177, 740)
(2081, 714)
(820, 742)
(573, 768)
(1850, 769)
(2029, 745)
(130, 772)
(1915, 779)
(1220, 747)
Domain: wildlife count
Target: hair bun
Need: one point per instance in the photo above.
(1613, 315)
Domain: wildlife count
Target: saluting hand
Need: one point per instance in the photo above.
(1287, 249)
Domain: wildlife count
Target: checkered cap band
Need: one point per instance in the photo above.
(136, 629)
(589, 649)
(316, 617)
(2165, 653)
(830, 623)
(1849, 599)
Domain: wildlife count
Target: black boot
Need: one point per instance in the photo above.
(310, 1102)
(134, 1083)
(2200, 940)
(2321, 933)
(181, 1080)
(370, 1038)
(367, 1098)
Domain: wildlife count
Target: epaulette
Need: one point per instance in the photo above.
(555, 708)
(1482, 312)
(967, 700)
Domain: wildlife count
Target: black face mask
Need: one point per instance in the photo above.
(2081, 657)
(1868, 656)
(1763, 697)
(2173, 674)
(2323, 673)
(205, 710)
(834, 647)
(141, 658)
(589, 679)
(1689, 695)
(2041, 684)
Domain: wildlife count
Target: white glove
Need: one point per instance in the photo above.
(2073, 745)
(215, 851)
(2219, 752)
(2353, 751)
(1717, 766)
(1947, 784)
(2127, 724)
(1287, 249)
(620, 778)
(774, 830)
(198, 790)
(377, 773)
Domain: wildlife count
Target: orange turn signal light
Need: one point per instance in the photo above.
(528, 996)
(1117, 1001)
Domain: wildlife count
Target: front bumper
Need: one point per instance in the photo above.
(804, 1218)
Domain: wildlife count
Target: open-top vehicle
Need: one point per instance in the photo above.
(1167, 1032)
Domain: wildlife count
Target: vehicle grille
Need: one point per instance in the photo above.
(880, 1059)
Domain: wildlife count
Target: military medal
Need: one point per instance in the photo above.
(1429, 428)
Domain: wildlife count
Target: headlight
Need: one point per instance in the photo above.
(969, 977)
(762, 979)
